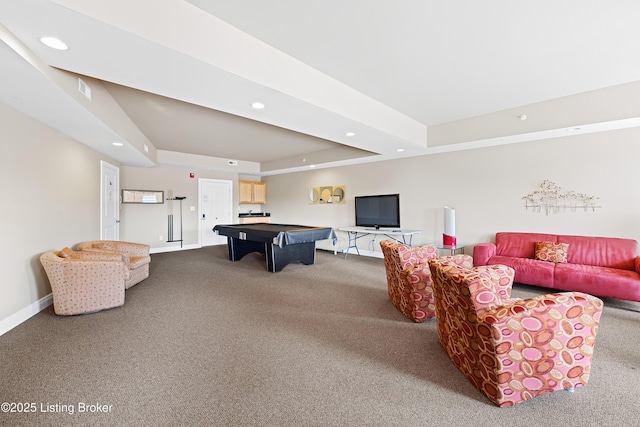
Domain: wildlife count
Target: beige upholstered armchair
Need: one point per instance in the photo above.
(136, 256)
(84, 282)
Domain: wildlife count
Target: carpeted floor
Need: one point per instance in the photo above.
(205, 341)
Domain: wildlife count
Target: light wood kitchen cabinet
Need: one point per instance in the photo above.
(252, 192)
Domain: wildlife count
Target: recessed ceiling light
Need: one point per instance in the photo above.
(312, 166)
(523, 117)
(54, 43)
(258, 105)
(400, 150)
(350, 134)
(117, 144)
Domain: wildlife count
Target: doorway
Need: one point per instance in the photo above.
(109, 201)
(215, 207)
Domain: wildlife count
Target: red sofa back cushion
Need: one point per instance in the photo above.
(601, 251)
(521, 245)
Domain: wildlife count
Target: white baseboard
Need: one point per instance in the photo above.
(29, 311)
(365, 253)
(173, 249)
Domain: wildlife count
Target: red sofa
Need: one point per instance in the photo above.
(602, 266)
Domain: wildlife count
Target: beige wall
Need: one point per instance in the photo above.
(146, 223)
(50, 199)
(485, 187)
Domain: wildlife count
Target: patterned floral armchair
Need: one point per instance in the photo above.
(136, 256)
(84, 282)
(511, 349)
(409, 278)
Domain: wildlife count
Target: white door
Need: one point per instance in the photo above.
(215, 208)
(109, 202)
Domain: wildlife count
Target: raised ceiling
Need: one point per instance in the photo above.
(178, 77)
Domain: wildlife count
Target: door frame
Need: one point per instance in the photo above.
(103, 203)
(200, 181)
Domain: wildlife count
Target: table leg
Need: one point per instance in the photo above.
(239, 248)
(353, 238)
(278, 257)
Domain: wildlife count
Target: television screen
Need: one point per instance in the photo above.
(378, 211)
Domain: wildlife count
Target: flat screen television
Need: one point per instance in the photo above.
(382, 211)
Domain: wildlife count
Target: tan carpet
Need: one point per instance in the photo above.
(205, 341)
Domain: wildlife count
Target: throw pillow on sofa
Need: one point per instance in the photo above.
(551, 252)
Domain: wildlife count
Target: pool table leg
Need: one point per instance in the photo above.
(278, 258)
(239, 248)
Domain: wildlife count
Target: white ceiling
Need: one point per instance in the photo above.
(184, 73)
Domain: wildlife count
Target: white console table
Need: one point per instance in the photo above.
(355, 233)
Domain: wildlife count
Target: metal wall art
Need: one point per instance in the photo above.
(551, 199)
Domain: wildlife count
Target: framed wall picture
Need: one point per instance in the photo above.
(147, 197)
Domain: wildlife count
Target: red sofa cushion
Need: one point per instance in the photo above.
(601, 251)
(520, 245)
(601, 281)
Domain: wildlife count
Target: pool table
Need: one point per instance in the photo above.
(281, 244)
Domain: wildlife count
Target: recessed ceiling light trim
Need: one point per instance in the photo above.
(258, 105)
(117, 144)
(350, 134)
(54, 43)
